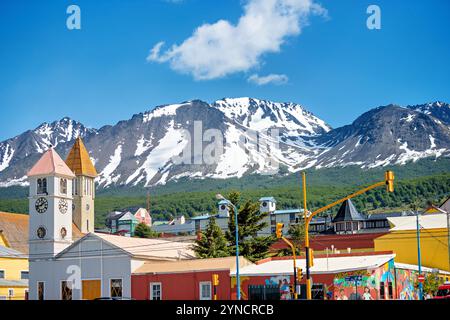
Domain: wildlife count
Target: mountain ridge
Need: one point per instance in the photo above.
(142, 149)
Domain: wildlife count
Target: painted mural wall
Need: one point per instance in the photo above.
(406, 280)
(376, 284)
(383, 283)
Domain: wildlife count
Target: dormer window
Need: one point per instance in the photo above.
(63, 186)
(42, 186)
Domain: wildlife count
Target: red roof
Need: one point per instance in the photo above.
(51, 164)
(339, 241)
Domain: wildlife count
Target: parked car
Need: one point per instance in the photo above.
(443, 291)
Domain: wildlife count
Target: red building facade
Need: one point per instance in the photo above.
(184, 280)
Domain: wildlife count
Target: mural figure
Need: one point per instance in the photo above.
(367, 295)
(342, 295)
(283, 282)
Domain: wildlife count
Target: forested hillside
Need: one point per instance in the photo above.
(324, 186)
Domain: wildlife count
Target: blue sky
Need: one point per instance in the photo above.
(336, 67)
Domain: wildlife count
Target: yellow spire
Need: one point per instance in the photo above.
(79, 161)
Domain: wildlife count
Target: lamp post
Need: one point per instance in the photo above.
(238, 281)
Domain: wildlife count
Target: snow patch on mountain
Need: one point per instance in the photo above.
(106, 176)
(233, 162)
(167, 110)
(8, 154)
(160, 158)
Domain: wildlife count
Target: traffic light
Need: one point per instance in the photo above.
(299, 274)
(215, 278)
(279, 230)
(311, 257)
(292, 289)
(389, 177)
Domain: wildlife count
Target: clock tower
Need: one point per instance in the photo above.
(83, 189)
(50, 206)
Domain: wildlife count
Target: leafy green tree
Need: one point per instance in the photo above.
(431, 284)
(250, 222)
(212, 242)
(144, 231)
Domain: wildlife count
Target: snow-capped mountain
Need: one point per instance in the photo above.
(155, 147)
(385, 135)
(18, 153)
(439, 110)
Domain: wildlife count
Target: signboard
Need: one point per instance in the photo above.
(353, 278)
(421, 278)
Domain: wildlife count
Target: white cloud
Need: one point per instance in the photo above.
(219, 49)
(270, 78)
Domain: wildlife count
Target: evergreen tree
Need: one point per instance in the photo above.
(250, 222)
(144, 231)
(212, 242)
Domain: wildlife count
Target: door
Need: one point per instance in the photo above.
(91, 289)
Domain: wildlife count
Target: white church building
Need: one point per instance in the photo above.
(61, 198)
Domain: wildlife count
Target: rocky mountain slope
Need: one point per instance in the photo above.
(257, 136)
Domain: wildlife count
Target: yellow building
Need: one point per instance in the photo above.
(14, 254)
(402, 239)
(13, 274)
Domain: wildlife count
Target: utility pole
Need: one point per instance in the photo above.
(279, 233)
(419, 258)
(305, 213)
(388, 182)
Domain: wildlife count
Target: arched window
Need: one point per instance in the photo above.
(63, 186)
(75, 186)
(42, 186)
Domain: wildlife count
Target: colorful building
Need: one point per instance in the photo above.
(13, 274)
(402, 239)
(122, 223)
(344, 275)
(184, 280)
(356, 276)
(143, 216)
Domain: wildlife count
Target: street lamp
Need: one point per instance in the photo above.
(238, 281)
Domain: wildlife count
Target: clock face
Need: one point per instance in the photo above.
(41, 205)
(63, 232)
(41, 232)
(63, 206)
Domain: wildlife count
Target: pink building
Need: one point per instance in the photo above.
(143, 216)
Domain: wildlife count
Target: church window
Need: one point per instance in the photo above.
(42, 186)
(75, 187)
(63, 186)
